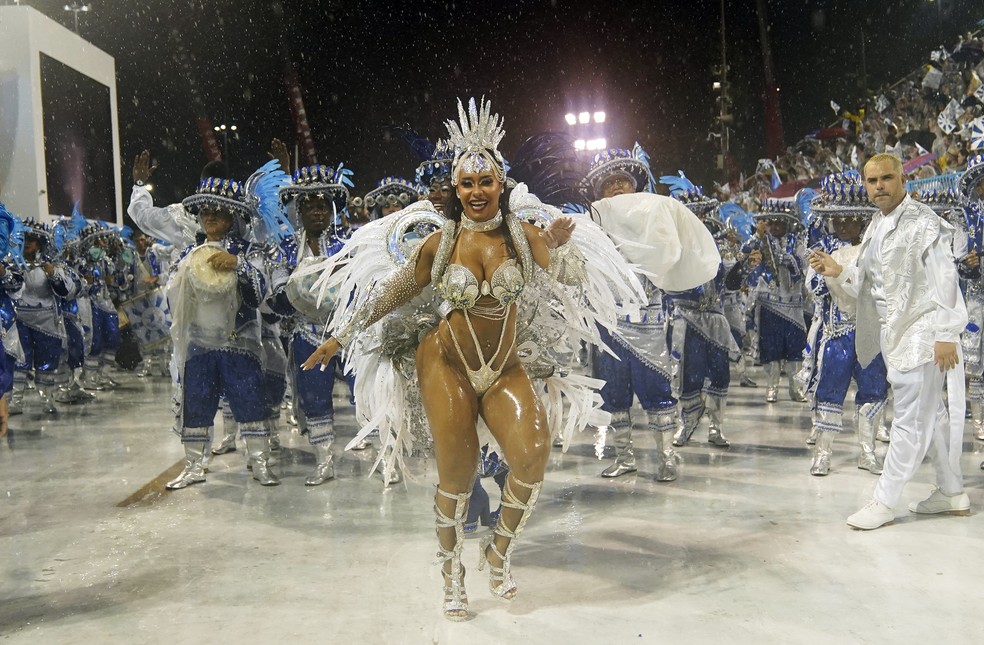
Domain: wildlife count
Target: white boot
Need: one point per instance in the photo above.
(743, 379)
(821, 454)
(689, 420)
(662, 422)
(884, 432)
(771, 381)
(325, 468)
(258, 449)
(866, 428)
(977, 414)
(16, 405)
(792, 369)
(715, 413)
(274, 427)
(230, 430)
(194, 472)
(624, 454)
(811, 440)
(46, 402)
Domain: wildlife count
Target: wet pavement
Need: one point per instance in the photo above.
(745, 547)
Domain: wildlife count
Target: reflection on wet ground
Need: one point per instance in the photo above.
(745, 547)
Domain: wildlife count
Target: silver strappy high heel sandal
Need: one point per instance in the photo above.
(455, 598)
(501, 582)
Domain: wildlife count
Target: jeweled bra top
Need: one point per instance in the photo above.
(460, 289)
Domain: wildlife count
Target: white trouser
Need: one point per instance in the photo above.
(921, 425)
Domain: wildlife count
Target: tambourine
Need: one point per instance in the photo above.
(203, 277)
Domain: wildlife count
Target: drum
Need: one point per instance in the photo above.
(149, 317)
(205, 280)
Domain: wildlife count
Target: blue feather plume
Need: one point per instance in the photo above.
(641, 155)
(804, 204)
(737, 218)
(678, 185)
(16, 242)
(67, 230)
(7, 224)
(343, 176)
(263, 193)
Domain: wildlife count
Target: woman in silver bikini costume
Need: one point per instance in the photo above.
(485, 268)
(469, 366)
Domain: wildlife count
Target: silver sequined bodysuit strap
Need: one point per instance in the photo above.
(460, 289)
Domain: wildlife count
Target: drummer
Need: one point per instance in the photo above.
(214, 296)
(147, 278)
(315, 202)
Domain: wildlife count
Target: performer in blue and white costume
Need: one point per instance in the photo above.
(214, 295)
(391, 194)
(641, 366)
(737, 231)
(773, 268)
(174, 225)
(149, 275)
(434, 175)
(972, 340)
(103, 282)
(831, 360)
(40, 322)
(11, 282)
(314, 200)
(77, 310)
(700, 337)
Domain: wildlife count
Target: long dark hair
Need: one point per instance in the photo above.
(455, 211)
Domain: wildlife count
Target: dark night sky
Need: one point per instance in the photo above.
(364, 65)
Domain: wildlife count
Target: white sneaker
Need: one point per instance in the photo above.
(873, 515)
(940, 502)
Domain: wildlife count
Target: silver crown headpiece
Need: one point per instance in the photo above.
(476, 141)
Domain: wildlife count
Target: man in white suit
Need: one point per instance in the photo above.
(909, 307)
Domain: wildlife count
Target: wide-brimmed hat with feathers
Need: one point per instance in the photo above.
(254, 204)
(633, 164)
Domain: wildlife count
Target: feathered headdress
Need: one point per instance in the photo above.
(550, 167)
(475, 140)
(252, 203)
(737, 219)
(8, 224)
(392, 191)
(69, 230)
(263, 198)
(320, 180)
(633, 164)
(692, 196)
(16, 239)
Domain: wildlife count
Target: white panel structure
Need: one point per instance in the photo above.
(30, 42)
